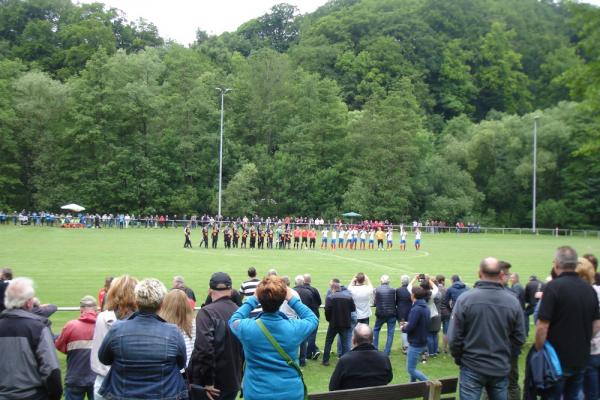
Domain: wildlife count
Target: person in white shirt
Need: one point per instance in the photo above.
(341, 236)
(324, 234)
(417, 239)
(389, 235)
(403, 240)
(362, 293)
(371, 239)
(333, 238)
(363, 239)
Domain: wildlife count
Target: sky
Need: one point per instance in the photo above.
(179, 19)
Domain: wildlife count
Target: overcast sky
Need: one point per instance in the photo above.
(179, 19)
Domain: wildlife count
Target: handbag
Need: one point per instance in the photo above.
(283, 354)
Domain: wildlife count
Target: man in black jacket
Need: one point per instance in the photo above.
(5, 278)
(385, 313)
(338, 307)
(216, 361)
(312, 349)
(531, 298)
(306, 296)
(364, 366)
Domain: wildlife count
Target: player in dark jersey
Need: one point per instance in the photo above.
(187, 232)
(269, 238)
(252, 237)
(244, 237)
(236, 237)
(215, 236)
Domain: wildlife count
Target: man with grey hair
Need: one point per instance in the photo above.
(385, 313)
(29, 368)
(363, 366)
(75, 341)
(568, 318)
(179, 283)
(485, 326)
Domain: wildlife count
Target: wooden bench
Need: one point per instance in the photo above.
(431, 390)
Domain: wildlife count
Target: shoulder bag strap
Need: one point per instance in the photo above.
(282, 353)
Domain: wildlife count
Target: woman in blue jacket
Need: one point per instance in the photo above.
(417, 329)
(267, 374)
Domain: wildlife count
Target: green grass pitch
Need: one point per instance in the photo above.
(68, 264)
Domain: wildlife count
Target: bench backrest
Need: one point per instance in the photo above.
(418, 390)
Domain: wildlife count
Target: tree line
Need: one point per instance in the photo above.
(396, 109)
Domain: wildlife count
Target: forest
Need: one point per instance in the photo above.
(396, 109)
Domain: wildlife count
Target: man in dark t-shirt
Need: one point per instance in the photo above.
(568, 318)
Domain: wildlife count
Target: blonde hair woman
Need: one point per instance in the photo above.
(176, 309)
(119, 304)
(591, 386)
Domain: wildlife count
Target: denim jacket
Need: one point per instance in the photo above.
(146, 354)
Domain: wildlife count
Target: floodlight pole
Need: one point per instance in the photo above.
(535, 125)
(223, 91)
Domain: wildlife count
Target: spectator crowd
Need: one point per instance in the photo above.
(138, 340)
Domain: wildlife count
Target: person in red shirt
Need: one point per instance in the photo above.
(312, 235)
(304, 238)
(102, 292)
(297, 234)
(75, 340)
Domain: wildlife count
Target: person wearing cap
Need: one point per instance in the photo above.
(145, 352)
(216, 361)
(75, 341)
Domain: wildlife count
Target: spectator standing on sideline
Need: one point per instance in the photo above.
(75, 341)
(568, 318)
(312, 349)
(217, 357)
(306, 297)
(454, 292)
(591, 380)
(271, 373)
(385, 313)
(362, 293)
(119, 305)
(533, 287)
(363, 366)
(179, 283)
(486, 324)
(102, 292)
(416, 329)
(137, 372)
(403, 305)
(444, 310)
(338, 309)
(29, 367)
(248, 288)
(5, 278)
(176, 309)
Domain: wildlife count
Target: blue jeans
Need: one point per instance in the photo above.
(432, 343)
(331, 334)
(591, 379)
(472, 383)
(79, 392)
(568, 388)
(412, 360)
(353, 321)
(391, 326)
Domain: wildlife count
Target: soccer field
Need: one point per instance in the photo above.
(68, 264)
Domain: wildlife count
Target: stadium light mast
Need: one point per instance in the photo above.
(535, 126)
(222, 91)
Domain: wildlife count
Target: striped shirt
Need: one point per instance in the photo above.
(247, 290)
